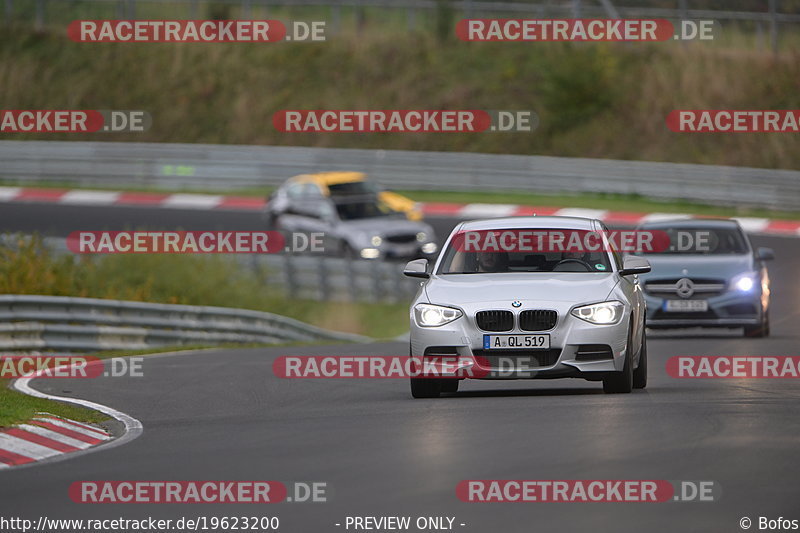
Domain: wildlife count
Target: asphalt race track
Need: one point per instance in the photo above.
(223, 415)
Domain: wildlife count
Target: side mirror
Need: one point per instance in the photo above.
(418, 268)
(634, 265)
(765, 254)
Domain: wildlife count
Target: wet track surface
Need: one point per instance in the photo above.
(223, 415)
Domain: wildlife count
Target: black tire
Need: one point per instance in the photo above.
(450, 385)
(425, 388)
(640, 374)
(759, 331)
(622, 382)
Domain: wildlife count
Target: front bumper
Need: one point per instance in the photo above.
(399, 251)
(728, 310)
(465, 339)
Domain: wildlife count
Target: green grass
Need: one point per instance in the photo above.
(16, 408)
(182, 279)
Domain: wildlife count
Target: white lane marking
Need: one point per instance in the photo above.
(658, 217)
(53, 435)
(488, 210)
(76, 429)
(9, 193)
(582, 212)
(752, 225)
(192, 201)
(132, 427)
(26, 448)
(89, 197)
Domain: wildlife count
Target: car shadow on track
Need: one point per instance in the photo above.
(522, 392)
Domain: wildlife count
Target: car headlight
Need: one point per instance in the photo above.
(430, 316)
(605, 313)
(429, 248)
(376, 240)
(744, 282)
(422, 236)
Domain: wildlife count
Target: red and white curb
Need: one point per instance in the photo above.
(48, 438)
(620, 218)
(462, 211)
(45, 437)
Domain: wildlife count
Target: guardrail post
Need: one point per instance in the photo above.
(288, 270)
(324, 285)
(9, 11)
(352, 283)
(411, 16)
(375, 272)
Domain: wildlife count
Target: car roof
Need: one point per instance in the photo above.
(331, 178)
(549, 222)
(692, 222)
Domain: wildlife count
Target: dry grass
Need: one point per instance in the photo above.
(594, 100)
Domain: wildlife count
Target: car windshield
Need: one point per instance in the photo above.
(367, 209)
(699, 240)
(457, 261)
(353, 187)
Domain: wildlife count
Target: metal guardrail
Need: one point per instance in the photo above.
(311, 277)
(228, 167)
(88, 324)
(305, 277)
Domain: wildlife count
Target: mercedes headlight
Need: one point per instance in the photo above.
(744, 282)
(605, 313)
(430, 316)
(429, 248)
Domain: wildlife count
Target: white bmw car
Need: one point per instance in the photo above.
(490, 312)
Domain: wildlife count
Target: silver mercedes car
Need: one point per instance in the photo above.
(489, 313)
(708, 276)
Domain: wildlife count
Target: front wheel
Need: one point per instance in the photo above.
(425, 388)
(622, 382)
(640, 374)
(759, 331)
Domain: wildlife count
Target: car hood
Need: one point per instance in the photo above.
(383, 226)
(571, 287)
(696, 266)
